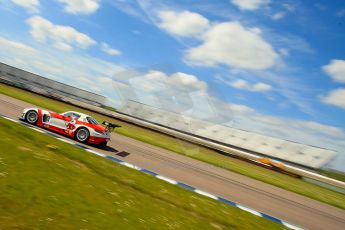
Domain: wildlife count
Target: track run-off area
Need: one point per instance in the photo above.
(268, 199)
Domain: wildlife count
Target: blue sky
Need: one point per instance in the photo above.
(274, 67)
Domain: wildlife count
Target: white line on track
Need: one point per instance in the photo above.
(291, 226)
(10, 119)
(130, 165)
(64, 140)
(96, 153)
(166, 179)
(38, 130)
(206, 194)
(249, 210)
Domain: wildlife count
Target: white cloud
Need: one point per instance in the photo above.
(239, 84)
(178, 92)
(261, 87)
(250, 4)
(237, 108)
(188, 80)
(184, 23)
(255, 30)
(286, 87)
(294, 43)
(154, 81)
(66, 67)
(4, 42)
(278, 15)
(257, 87)
(62, 37)
(81, 6)
(270, 120)
(133, 8)
(242, 48)
(30, 5)
(336, 69)
(319, 128)
(175, 92)
(289, 7)
(311, 127)
(336, 98)
(63, 46)
(109, 50)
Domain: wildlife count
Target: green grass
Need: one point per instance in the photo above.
(334, 174)
(46, 183)
(194, 151)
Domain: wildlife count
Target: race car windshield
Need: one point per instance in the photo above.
(92, 120)
(72, 115)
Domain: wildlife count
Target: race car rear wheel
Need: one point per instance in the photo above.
(82, 135)
(31, 117)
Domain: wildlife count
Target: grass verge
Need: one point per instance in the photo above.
(334, 174)
(46, 183)
(194, 151)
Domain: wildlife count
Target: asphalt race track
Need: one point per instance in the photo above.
(288, 206)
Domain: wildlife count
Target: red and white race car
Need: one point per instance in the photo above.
(76, 125)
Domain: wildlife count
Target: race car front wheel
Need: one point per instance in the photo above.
(82, 135)
(31, 117)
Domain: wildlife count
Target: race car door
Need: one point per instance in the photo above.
(57, 122)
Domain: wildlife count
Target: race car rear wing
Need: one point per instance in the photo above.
(110, 127)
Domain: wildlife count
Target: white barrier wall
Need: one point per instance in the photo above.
(44, 85)
(307, 155)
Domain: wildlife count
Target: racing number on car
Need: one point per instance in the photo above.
(70, 126)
